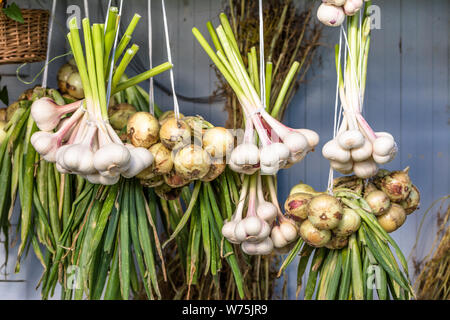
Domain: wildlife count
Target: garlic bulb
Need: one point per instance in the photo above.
(333, 151)
(351, 139)
(140, 160)
(330, 15)
(112, 159)
(365, 169)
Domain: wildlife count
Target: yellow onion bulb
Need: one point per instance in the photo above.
(303, 188)
(120, 114)
(167, 115)
(143, 129)
(297, 205)
(313, 236)
(192, 162)
(75, 86)
(175, 180)
(378, 201)
(324, 212)
(63, 76)
(393, 219)
(2, 132)
(152, 182)
(411, 203)
(175, 133)
(217, 167)
(337, 243)
(218, 142)
(349, 224)
(397, 185)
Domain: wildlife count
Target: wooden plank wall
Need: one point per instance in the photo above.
(407, 95)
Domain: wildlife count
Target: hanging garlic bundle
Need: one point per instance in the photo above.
(333, 12)
(267, 145)
(356, 147)
(85, 142)
(263, 227)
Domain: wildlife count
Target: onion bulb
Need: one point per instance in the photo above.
(175, 133)
(313, 236)
(120, 114)
(393, 219)
(378, 201)
(192, 162)
(397, 185)
(175, 180)
(2, 132)
(349, 224)
(297, 205)
(303, 188)
(411, 203)
(337, 243)
(217, 167)
(324, 212)
(75, 86)
(218, 142)
(143, 129)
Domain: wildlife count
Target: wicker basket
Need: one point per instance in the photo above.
(24, 42)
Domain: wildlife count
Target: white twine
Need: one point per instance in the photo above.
(107, 15)
(337, 115)
(176, 107)
(262, 76)
(49, 45)
(108, 92)
(151, 92)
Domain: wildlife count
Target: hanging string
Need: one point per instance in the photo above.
(176, 107)
(262, 71)
(350, 54)
(49, 45)
(336, 116)
(111, 69)
(151, 92)
(86, 9)
(107, 15)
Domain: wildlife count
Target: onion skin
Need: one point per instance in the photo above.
(75, 86)
(175, 133)
(167, 115)
(143, 129)
(218, 142)
(412, 203)
(303, 188)
(379, 202)
(153, 182)
(174, 180)
(337, 243)
(297, 205)
(2, 132)
(313, 236)
(349, 224)
(324, 212)
(393, 219)
(217, 167)
(120, 114)
(397, 185)
(192, 162)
